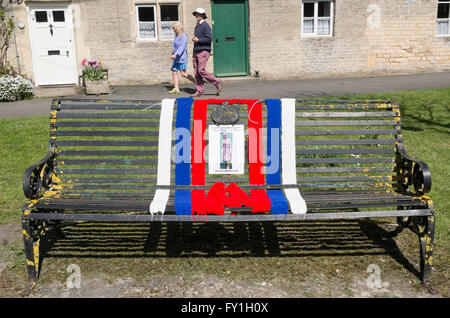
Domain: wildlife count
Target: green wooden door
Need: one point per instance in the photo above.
(230, 37)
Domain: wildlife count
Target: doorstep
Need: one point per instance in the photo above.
(239, 78)
(57, 90)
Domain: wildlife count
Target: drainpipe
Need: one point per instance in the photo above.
(14, 35)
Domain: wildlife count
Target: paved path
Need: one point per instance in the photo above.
(257, 89)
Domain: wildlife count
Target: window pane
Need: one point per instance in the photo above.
(308, 25)
(147, 30)
(308, 10)
(146, 14)
(41, 16)
(58, 16)
(443, 27)
(324, 9)
(166, 31)
(323, 26)
(169, 13)
(443, 10)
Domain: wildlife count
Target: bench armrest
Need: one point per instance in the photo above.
(412, 172)
(38, 176)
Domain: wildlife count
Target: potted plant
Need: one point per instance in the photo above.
(94, 78)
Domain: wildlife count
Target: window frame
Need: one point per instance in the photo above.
(161, 21)
(316, 18)
(440, 19)
(138, 22)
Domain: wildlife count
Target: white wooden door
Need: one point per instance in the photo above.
(52, 42)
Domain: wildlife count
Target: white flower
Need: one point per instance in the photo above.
(13, 88)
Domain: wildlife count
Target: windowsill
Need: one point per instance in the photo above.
(443, 35)
(147, 40)
(151, 43)
(305, 36)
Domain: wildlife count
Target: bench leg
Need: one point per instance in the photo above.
(426, 237)
(31, 251)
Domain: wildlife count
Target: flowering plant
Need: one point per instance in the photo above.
(92, 70)
(13, 88)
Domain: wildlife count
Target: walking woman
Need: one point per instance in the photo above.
(202, 49)
(179, 57)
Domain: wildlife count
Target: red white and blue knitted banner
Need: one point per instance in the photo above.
(269, 163)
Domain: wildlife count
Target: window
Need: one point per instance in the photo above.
(443, 17)
(169, 15)
(146, 19)
(317, 18)
(58, 16)
(41, 16)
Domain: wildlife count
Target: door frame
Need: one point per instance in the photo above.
(246, 34)
(33, 49)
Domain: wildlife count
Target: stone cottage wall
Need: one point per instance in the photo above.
(404, 40)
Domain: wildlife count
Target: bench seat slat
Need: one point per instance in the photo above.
(143, 205)
(226, 218)
(350, 193)
(364, 205)
(322, 199)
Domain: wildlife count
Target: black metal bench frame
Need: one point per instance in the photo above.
(40, 179)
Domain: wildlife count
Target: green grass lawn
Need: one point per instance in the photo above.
(426, 129)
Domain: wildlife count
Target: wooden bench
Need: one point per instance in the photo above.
(102, 165)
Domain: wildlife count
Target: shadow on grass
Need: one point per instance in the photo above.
(234, 240)
(427, 123)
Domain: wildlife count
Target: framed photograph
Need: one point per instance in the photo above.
(226, 149)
